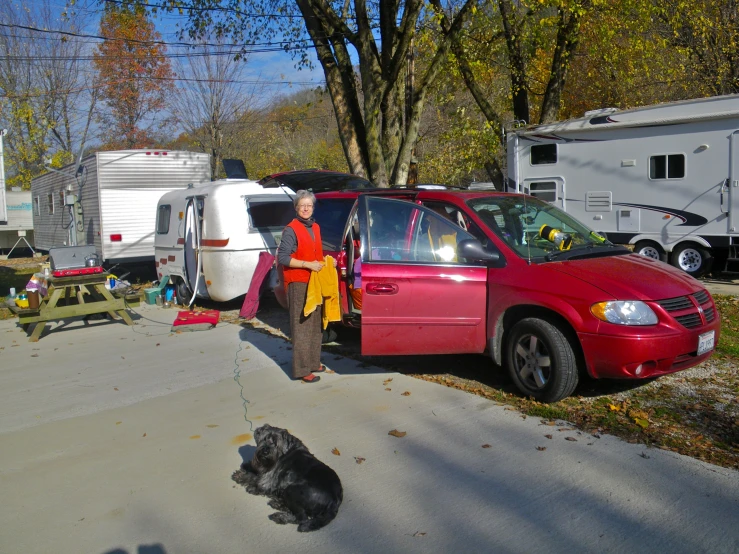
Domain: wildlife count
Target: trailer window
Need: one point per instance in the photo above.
(667, 166)
(37, 206)
(163, 214)
(271, 213)
(61, 199)
(545, 190)
(50, 200)
(543, 154)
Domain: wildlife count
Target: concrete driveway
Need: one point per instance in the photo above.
(122, 440)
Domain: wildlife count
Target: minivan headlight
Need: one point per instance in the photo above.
(624, 312)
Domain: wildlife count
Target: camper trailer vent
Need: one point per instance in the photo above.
(598, 201)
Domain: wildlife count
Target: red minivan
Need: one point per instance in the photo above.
(447, 272)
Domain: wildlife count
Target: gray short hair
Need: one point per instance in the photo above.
(301, 194)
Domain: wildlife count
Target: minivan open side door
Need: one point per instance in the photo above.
(417, 296)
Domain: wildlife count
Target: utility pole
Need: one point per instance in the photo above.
(3, 206)
(409, 81)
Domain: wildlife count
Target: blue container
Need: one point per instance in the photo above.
(169, 294)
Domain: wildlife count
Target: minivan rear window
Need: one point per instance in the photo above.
(331, 214)
(271, 213)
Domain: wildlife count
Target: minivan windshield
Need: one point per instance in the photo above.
(535, 229)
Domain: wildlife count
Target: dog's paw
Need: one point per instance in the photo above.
(251, 488)
(242, 477)
(283, 518)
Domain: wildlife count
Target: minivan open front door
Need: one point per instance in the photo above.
(417, 298)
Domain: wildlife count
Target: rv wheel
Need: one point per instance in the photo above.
(692, 259)
(183, 292)
(650, 250)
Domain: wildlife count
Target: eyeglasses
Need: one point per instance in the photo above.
(305, 207)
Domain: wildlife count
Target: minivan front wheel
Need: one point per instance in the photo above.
(541, 360)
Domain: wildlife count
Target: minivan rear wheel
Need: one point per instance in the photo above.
(541, 360)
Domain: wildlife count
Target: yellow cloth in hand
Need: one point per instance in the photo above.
(323, 288)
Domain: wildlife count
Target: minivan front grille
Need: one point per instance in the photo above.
(685, 311)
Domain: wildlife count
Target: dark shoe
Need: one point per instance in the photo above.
(310, 378)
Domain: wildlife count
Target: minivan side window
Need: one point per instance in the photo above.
(667, 166)
(163, 214)
(331, 215)
(543, 154)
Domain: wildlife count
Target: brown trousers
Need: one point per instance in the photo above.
(306, 332)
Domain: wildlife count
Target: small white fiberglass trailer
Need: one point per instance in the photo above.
(663, 178)
(209, 236)
(110, 200)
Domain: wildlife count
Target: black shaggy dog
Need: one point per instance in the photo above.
(303, 489)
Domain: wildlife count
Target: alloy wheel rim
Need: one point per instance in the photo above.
(533, 362)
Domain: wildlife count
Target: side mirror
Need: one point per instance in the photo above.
(471, 249)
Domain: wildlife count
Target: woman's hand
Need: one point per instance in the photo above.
(313, 266)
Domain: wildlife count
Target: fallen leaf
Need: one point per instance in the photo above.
(541, 448)
(118, 422)
(643, 423)
(386, 381)
(388, 388)
(550, 423)
(419, 534)
(115, 388)
(144, 434)
(548, 436)
(406, 393)
(359, 460)
(486, 446)
(573, 439)
(336, 452)
(157, 344)
(34, 355)
(396, 433)
(614, 408)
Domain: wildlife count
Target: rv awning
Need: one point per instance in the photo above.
(315, 180)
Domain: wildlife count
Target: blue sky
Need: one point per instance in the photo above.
(277, 68)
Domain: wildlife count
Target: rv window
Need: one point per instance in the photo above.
(543, 154)
(331, 215)
(667, 166)
(37, 206)
(545, 190)
(271, 213)
(50, 199)
(163, 214)
(61, 199)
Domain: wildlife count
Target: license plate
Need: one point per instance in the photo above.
(705, 342)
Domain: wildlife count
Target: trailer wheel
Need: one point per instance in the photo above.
(692, 259)
(183, 292)
(650, 250)
(541, 360)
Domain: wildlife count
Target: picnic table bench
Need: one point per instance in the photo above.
(82, 295)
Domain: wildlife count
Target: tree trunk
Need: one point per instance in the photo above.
(519, 87)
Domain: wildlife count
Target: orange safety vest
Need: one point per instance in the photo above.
(308, 250)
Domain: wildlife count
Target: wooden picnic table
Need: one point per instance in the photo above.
(81, 295)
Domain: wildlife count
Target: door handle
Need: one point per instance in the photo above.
(382, 288)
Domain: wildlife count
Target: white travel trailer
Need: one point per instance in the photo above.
(110, 200)
(17, 234)
(209, 236)
(663, 178)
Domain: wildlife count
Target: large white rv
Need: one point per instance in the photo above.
(209, 236)
(663, 178)
(110, 200)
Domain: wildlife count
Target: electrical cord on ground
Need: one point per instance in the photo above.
(236, 368)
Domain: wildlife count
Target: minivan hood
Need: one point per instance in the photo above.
(630, 277)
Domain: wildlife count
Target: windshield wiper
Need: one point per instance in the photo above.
(587, 251)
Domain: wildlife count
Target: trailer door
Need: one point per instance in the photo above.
(733, 183)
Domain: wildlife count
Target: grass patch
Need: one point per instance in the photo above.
(728, 307)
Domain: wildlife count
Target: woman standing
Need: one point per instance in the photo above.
(300, 252)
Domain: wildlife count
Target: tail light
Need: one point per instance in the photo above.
(116, 237)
